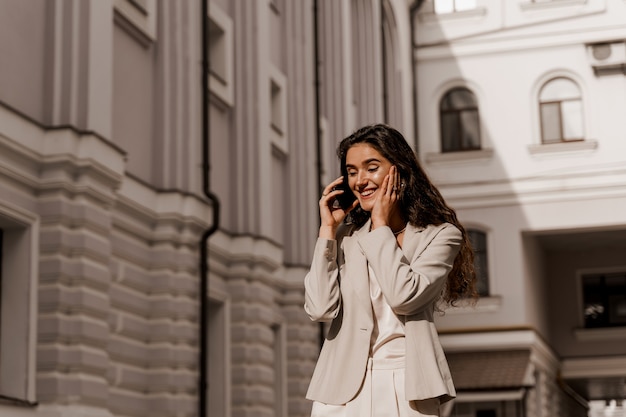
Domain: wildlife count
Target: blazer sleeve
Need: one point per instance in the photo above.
(322, 295)
(407, 286)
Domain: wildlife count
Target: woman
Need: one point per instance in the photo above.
(378, 275)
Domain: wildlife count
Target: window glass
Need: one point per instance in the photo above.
(449, 132)
(604, 299)
(572, 119)
(550, 122)
(460, 122)
(469, 123)
(479, 245)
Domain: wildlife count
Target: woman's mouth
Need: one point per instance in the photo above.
(367, 193)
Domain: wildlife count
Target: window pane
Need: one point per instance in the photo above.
(470, 129)
(458, 99)
(449, 132)
(572, 120)
(550, 122)
(444, 6)
(604, 300)
(465, 5)
(559, 89)
(479, 246)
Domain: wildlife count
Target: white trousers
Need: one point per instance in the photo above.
(382, 395)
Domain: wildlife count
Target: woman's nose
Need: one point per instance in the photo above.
(361, 178)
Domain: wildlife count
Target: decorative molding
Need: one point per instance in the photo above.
(563, 147)
(138, 20)
(456, 157)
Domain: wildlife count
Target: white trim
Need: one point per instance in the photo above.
(529, 5)
(582, 146)
(479, 155)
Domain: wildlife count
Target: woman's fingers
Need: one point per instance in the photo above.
(331, 190)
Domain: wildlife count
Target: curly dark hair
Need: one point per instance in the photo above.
(420, 202)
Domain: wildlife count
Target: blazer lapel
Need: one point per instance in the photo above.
(357, 272)
(411, 241)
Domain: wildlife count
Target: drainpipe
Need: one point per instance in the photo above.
(204, 242)
(412, 11)
(318, 128)
(383, 54)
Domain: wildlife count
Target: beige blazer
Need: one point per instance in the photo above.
(411, 279)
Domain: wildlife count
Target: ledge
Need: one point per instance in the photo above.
(489, 304)
(461, 156)
(573, 146)
(465, 14)
(600, 334)
(550, 4)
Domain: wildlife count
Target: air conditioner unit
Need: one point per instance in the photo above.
(607, 57)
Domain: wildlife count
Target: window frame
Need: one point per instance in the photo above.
(484, 277)
(221, 86)
(278, 117)
(608, 322)
(458, 112)
(139, 17)
(219, 359)
(18, 330)
(561, 119)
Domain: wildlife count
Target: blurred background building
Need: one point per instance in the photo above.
(161, 163)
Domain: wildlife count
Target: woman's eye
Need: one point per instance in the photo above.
(372, 169)
(351, 173)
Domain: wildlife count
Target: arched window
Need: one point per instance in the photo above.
(561, 111)
(460, 124)
(479, 245)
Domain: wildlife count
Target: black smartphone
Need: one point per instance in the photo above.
(346, 198)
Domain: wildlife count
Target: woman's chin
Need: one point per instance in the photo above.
(366, 206)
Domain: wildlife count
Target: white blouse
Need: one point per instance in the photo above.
(387, 340)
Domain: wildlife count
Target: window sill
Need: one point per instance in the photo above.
(600, 334)
(550, 4)
(461, 156)
(465, 14)
(574, 146)
(489, 304)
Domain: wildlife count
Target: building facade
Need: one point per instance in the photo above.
(161, 163)
(159, 175)
(520, 107)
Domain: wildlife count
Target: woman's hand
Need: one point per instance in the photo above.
(332, 214)
(386, 203)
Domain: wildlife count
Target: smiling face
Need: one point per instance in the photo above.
(366, 169)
